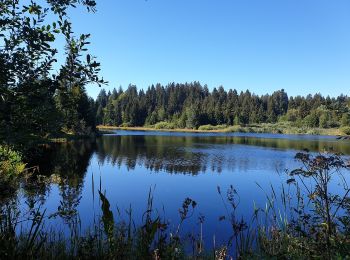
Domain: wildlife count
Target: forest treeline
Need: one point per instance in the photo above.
(191, 105)
(38, 102)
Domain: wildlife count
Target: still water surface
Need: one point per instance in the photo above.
(126, 164)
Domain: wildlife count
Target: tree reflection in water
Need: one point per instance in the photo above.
(65, 165)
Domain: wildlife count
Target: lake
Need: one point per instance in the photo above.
(125, 165)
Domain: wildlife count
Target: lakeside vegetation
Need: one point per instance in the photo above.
(194, 106)
(306, 222)
(276, 128)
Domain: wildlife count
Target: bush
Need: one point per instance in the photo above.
(311, 120)
(283, 118)
(235, 128)
(313, 132)
(125, 124)
(345, 119)
(164, 125)
(292, 115)
(11, 163)
(211, 127)
(206, 127)
(324, 119)
(345, 130)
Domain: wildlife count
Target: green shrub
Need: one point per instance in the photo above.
(235, 128)
(345, 130)
(211, 127)
(313, 132)
(292, 115)
(148, 126)
(324, 120)
(126, 124)
(345, 119)
(164, 125)
(206, 127)
(221, 126)
(283, 118)
(311, 120)
(11, 163)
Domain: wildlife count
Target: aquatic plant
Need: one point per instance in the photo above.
(314, 223)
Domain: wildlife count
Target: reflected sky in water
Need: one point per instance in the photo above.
(127, 164)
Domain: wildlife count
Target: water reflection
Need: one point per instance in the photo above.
(193, 155)
(67, 159)
(180, 165)
(173, 154)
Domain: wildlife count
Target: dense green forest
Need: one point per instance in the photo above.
(191, 105)
(41, 99)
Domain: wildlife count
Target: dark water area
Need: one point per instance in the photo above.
(126, 164)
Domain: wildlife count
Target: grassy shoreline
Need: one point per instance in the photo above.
(256, 128)
(143, 128)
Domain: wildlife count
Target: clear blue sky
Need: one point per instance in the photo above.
(302, 46)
